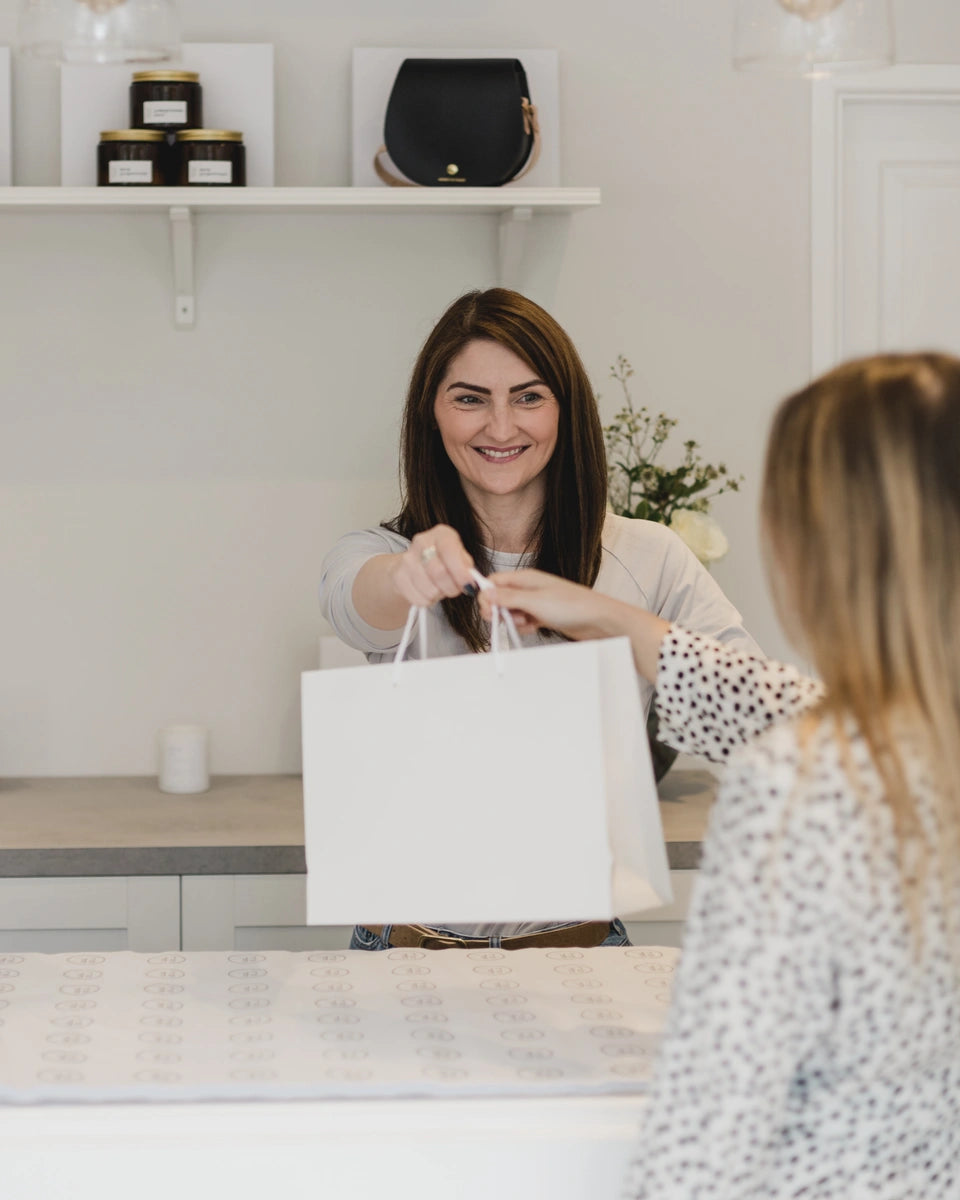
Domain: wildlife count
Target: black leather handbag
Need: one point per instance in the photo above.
(455, 122)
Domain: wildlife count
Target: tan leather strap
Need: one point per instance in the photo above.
(531, 124)
(387, 176)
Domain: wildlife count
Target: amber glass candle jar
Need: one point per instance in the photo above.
(166, 100)
(211, 158)
(131, 158)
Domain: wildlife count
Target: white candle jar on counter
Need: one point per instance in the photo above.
(183, 759)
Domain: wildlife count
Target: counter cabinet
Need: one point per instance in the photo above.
(210, 912)
(87, 913)
(266, 912)
(113, 864)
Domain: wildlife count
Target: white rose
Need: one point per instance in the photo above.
(701, 533)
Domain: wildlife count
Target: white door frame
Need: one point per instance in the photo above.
(832, 101)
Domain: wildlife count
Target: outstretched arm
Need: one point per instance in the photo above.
(436, 565)
(537, 600)
(710, 698)
(371, 577)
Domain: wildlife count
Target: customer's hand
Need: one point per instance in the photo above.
(435, 566)
(539, 600)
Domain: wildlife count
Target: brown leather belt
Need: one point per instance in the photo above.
(585, 934)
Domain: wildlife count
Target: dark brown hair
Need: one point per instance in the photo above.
(568, 539)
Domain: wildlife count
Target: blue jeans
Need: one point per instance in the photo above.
(363, 939)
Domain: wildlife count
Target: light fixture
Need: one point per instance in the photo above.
(812, 37)
(99, 31)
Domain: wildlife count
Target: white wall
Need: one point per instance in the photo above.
(166, 497)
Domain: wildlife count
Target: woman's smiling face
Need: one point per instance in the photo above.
(498, 422)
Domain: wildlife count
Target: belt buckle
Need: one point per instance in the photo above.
(430, 939)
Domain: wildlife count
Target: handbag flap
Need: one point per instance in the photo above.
(459, 121)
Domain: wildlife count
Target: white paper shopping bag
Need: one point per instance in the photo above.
(481, 788)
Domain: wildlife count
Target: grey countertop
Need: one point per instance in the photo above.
(244, 825)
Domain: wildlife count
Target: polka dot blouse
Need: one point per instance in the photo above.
(809, 1052)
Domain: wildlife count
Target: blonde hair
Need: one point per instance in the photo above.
(861, 507)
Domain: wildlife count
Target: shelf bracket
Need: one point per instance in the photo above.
(514, 224)
(181, 236)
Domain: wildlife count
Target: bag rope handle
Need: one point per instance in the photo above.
(531, 124)
(499, 616)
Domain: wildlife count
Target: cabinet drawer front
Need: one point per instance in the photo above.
(113, 913)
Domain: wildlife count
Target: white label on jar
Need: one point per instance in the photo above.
(130, 172)
(164, 112)
(202, 170)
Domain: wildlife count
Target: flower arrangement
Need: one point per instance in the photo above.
(639, 486)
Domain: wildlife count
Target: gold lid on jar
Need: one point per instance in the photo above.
(131, 135)
(209, 135)
(166, 76)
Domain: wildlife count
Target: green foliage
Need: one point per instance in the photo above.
(638, 485)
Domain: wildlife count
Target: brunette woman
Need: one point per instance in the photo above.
(503, 467)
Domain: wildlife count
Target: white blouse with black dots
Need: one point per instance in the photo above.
(808, 1053)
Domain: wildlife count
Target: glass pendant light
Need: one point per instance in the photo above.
(99, 31)
(812, 37)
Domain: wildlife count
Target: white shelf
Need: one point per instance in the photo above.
(278, 199)
(515, 207)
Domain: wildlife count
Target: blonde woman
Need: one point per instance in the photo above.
(814, 1044)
